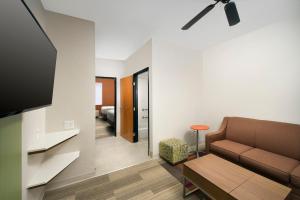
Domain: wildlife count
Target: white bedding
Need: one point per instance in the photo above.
(105, 109)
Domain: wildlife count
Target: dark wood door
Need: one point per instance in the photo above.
(127, 108)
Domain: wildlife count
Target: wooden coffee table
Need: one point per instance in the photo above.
(224, 180)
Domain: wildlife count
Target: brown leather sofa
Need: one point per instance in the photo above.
(270, 148)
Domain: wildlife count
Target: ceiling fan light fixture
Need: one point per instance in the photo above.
(232, 13)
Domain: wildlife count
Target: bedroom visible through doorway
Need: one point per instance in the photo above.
(105, 107)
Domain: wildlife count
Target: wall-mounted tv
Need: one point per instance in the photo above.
(27, 60)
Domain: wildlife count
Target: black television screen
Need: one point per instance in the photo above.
(27, 60)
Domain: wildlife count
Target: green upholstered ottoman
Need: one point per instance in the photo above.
(173, 150)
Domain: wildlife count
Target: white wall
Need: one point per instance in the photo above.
(175, 91)
(112, 68)
(255, 75)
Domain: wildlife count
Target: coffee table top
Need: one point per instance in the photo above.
(235, 180)
(259, 187)
(222, 173)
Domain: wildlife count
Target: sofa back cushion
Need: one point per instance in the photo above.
(241, 130)
(278, 137)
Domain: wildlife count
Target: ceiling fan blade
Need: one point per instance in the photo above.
(198, 17)
(232, 13)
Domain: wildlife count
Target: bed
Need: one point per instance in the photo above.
(104, 110)
(111, 117)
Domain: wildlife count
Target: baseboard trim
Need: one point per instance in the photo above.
(70, 181)
(53, 189)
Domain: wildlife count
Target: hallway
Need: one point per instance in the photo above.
(115, 153)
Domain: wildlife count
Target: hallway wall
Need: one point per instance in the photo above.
(74, 92)
(73, 97)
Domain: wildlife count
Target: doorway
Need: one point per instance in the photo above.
(135, 108)
(141, 107)
(105, 107)
(115, 153)
(127, 111)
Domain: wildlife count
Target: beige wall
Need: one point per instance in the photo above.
(74, 91)
(141, 59)
(73, 98)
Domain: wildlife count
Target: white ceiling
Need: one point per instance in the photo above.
(122, 26)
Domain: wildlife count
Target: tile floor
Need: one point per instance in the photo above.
(115, 153)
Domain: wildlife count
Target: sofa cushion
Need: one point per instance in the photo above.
(241, 130)
(295, 177)
(271, 136)
(275, 165)
(229, 149)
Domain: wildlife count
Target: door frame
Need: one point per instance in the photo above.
(115, 88)
(135, 106)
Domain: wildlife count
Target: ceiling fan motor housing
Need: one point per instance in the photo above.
(223, 1)
(232, 14)
(230, 10)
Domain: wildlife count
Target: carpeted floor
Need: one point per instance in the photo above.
(147, 181)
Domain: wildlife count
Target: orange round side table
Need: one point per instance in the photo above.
(198, 128)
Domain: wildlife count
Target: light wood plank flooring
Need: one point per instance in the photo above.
(146, 181)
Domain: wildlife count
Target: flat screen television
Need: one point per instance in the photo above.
(27, 60)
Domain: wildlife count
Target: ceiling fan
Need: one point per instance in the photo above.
(230, 10)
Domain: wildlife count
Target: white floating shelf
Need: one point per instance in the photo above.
(52, 167)
(48, 140)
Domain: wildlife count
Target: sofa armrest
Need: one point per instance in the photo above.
(217, 135)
